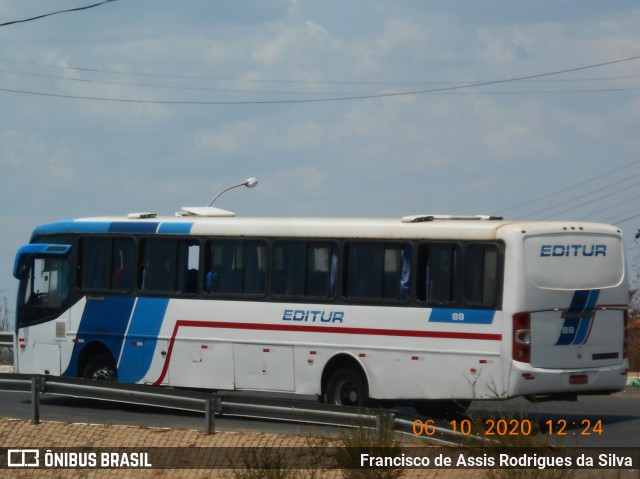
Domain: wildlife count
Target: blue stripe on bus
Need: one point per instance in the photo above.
(133, 227)
(585, 322)
(141, 340)
(38, 248)
(462, 316)
(570, 325)
(71, 226)
(575, 328)
(175, 227)
(104, 320)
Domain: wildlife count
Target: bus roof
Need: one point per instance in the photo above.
(409, 227)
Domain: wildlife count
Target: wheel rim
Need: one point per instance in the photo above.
(347, 393)
(104, 374)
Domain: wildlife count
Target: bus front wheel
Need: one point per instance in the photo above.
(347, 388)
(101, 368)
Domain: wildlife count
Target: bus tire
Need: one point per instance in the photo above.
(101, 367)
(346, 387)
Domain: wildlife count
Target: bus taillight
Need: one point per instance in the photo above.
(522, 337)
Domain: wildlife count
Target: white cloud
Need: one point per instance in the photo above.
(288, 43)
(307, 136)
(402, 34)
(236, 138)
(497, 48)
(278, 47)
(18, 149)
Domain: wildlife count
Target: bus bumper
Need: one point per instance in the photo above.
(526, 380)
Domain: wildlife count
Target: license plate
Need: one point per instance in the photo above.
(578, 379)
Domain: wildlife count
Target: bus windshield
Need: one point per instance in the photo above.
(44, 288)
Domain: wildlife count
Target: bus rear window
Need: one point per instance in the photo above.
(574, 261)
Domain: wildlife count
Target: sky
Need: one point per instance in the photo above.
(151, 105)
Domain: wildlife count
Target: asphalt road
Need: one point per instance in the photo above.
(592, 421)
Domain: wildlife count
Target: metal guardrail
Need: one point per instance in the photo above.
(6, 339)
(6, 348)
(212, 404)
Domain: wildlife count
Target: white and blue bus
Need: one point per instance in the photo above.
(420, 309)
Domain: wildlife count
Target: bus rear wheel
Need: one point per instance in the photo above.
(101, 368)
(347, 388)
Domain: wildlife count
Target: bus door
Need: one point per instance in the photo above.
(576, 298)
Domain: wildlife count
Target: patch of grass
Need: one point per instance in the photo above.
(262, 463)
(273, 463)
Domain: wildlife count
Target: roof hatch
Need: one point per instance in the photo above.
(141, 216)
(426, 218)
(208, 211)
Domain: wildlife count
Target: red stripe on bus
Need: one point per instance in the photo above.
(318, 329)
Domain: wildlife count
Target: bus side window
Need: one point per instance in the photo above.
(397, 272)
(158, 265)
(106, 264)
(188, 266)
(320, 274)
(438, 273)
(362, 279)
(289, 263)
(169, 265)
(255, 277)
(122, 262)
(481, 266)
(236, 267)
(94, 268)
(380, 271)
(304, 269)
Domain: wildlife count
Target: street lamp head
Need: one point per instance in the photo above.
(249, 183)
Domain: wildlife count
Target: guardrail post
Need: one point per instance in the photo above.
(384, 420)
(210, 416)
(213, 405)
(36, 387)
